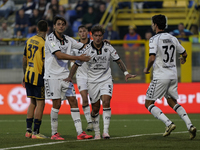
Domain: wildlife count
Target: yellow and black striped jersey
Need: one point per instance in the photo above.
(35, 54)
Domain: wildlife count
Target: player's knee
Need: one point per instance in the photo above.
(73, 102)
(148, 103)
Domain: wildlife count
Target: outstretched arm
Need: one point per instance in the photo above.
(64, 56)
(123, 68)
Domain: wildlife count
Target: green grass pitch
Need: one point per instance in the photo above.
(128, 132)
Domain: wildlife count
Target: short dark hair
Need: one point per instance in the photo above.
(59, 18)
(42, 26)
(160, 20)
(82, 26)
(97, 28)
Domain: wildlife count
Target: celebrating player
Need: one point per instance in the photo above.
(100, 85)
(81, 76)
(33, 67)
(57, 53)
(162, 55)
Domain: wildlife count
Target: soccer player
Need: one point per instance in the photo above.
(162, 56)
(57, 53)
(81, 76)
(100, 85)
(33, 67)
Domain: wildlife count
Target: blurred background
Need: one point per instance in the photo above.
(127, 24)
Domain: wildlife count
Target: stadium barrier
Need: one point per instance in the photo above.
(127, 99)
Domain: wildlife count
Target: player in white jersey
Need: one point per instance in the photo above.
(162, 56)
(57, 53)
(100, 85)
(81, 76)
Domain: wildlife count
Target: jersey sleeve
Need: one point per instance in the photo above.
(75, 44)
(52, 46)
(180, 49)
(152, 46)
(25, 51)
(114, 54)
(84, 51)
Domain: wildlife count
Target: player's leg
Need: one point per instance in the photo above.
(77, 119)
(157, 90)
(106, 89)
(38, 119)
(172, 92)
(86, 109)
(68, 89)
(106, 115)
(31, 109)
(29, 118)
(52, 91)
(95, 118)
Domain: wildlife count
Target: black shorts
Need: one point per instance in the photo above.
(36, 92)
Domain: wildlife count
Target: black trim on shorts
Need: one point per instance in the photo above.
(117, 59)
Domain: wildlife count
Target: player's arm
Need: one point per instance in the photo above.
(24, 64)
(122, 66)
(151, 60)
(71, 73)
(183, 57)
(64, 56)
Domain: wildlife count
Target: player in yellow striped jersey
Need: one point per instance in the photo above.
(33, 67)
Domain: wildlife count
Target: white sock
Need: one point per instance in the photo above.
(106, 119)
(86, 110)
(157, 113)
(182, 113)
(95, 122)
(54, 120)
(77, 120)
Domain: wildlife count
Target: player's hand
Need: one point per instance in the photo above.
(182, 60)
(107, 41)
(83, 57)
(68, 79)
(129, 76)
(146, 71)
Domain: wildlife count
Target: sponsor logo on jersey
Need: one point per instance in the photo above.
(17, 99)
(99, 67)
(105, 50)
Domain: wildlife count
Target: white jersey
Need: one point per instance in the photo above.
(82, 70)
(99, 64)
(164, 46)
(54, 68)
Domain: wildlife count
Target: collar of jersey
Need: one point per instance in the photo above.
(161, 32)
(95, 47)
(58, 38)
(87, 41)
(41, 37)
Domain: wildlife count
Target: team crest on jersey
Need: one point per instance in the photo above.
(105, 50)
(92, 52)
(53, 44)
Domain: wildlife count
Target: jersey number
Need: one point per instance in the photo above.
(35, 48)
(171, 48)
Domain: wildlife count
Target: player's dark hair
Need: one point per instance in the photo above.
(160, 20)
(42, 26)
(56, 18)
(82, 26)
(97, 28)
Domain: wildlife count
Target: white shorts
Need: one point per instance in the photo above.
(162, 87)
(57, 88)
(95, 90)
(82, 84)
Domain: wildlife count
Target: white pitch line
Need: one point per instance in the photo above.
(113, 120)
(52, 143)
